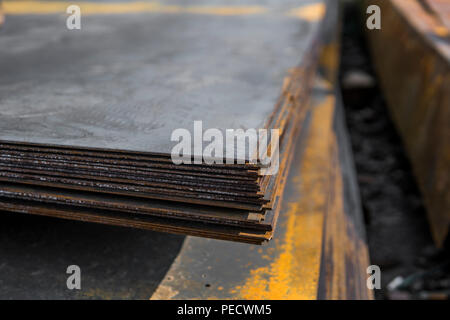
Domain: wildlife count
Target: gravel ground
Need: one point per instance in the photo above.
(398, 231)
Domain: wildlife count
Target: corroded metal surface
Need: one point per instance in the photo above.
(412, 55)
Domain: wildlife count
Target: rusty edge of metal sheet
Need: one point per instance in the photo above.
(71, 199)
(298, 87)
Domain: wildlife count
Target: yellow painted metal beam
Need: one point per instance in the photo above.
(55, 7)
(309, 12)
(294, 274)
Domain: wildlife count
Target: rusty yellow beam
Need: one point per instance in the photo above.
(294, 273)
(309, 12)
(54, 7)
(312, 12)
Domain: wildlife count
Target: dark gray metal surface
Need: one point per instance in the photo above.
(127, 81)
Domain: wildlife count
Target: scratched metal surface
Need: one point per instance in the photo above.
(126, 81)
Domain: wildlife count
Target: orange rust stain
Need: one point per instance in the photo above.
(312, 12)
(294, 272)
(335, 235)
(442, 31)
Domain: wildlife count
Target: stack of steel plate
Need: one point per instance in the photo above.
(87, 124)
